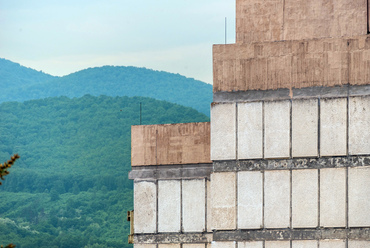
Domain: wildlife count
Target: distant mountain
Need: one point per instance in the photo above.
(70, 187)
(19, 83)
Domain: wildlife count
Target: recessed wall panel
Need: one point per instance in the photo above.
(145, 205)
(359, 125)
(169, 200)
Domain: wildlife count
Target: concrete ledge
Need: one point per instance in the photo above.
(285, 94)
(294, 163)
(171, 171)
(292, 234)
(167, 238)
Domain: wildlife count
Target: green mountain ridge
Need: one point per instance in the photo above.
(19, 83)
(70, 187)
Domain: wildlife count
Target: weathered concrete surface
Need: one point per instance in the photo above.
(223, 131)
(304, 244)
(145, 206)
(333, 127)
(250, 130)
(332, 243)
(295, 163)
(291, 64)
(223, 200)
(173, 238)
(261, 20)
(359, 196)
(169, 246)
(305, 128)
(209, 208)
(293, 234)
(185, 143)
(277, 244)
(277, 129)
(223, 245)
(251, 244)
(358, 244)
(277, 199)
(359, 125)
(305, 198)
(250, 194)
(193, 205)
(333, 197)
(169, 205)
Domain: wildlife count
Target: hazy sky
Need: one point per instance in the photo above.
(63, 36)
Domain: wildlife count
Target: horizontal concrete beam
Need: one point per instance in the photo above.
(294, 163)
(171, 172)
(168, 238)
(293, 234)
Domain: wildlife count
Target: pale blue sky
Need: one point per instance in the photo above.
(63, 36)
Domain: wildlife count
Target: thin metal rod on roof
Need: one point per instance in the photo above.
(225, 30)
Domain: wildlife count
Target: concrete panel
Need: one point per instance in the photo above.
(359, 122)
(169, 200)
(251, 244)
(143, 145)
(277, 244)
(223, 245)
(169, 246)
(277, 129)
(333, 127)
(250, 194)
(277, 199)
(333, 197)
(304, 244)
(358, 244)
(305, 128)
(145, 246)
(193, 246)
(359, 197)
(223, 131)
(332, 244)
(223, 196)
(305, 198)
(250, 133)
(145, 206)
(209, 208)
(193, 205)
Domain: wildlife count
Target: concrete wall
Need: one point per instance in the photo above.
(185, 143)
(297, 198)
(291, 129)
(293, 244)
(291, 64)
(275, 20)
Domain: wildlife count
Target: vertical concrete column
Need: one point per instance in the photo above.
(145, 205)
(304, 244)
(277, 199)
(250, 244)
(332, 243)
(333, 127)
(250, 130)
(250, 195)
(223, 195)
(223, 244)
(305, 198)
(305, 128)
(223, 131)
(359, 197)
(277, 129)
(209, 207)
(359, 125)
(333, 197)
(169, 205)
(277, 244)
(193, 205)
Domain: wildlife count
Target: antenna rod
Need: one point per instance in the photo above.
(225, 30)
(140, 113)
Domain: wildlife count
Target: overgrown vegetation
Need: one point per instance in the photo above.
(71, 188)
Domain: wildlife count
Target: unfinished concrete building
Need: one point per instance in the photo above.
(285, 161)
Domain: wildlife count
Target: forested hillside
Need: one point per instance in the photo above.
(70, 188)
(107, 80)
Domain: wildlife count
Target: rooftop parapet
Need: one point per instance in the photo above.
(277, 20)
(185, 143)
